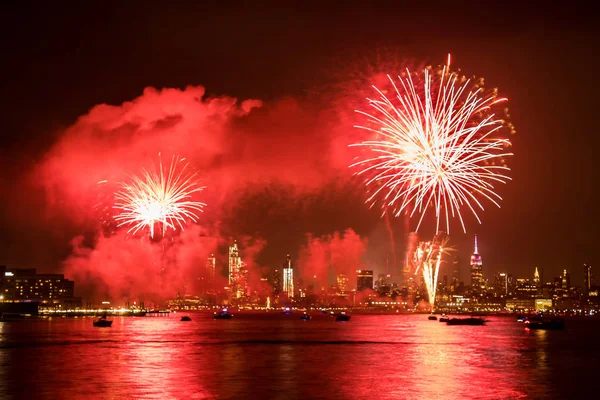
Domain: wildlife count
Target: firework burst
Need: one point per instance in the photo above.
(436, 146)
(160, 196)
(428, 257)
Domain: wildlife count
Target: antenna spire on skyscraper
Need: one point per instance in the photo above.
(475, 252)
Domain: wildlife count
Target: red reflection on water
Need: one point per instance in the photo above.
(278, 356)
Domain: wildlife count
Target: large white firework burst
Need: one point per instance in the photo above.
(159, 196)
(436, 145)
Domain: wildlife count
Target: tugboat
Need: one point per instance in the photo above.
(466, 321)
(342, 317)
(186, 318)
(102, 322)
(305, 317)
(443, 318)
(432, 318)
(223, 314)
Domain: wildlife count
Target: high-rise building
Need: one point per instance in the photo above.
(588, 280)
(288, 277)
(566, 280)
(277, 281)
(477, 283)
(364, 279)
(510, 285)
(456, 268)
(536, 277)
(238, 274)
(235, 262)
(211, 263)
(500, 284)
(342, 284)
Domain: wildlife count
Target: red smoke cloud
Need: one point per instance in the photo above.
(328, 256)
(234, 145)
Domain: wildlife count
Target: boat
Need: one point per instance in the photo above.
(443, 318)
(305, 317)
(342, 317)
(102, 322)
(186, 318)
(466, 321)
(553, 324)
(432, 318)
(223, 314)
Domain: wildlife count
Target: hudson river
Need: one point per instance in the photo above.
(276, 356)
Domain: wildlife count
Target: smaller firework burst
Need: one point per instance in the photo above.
(428, 258)
(160, 196)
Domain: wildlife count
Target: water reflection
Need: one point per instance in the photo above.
(280, 357)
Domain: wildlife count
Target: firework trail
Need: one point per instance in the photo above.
(436, 145)
(428, 256)
(161, 196)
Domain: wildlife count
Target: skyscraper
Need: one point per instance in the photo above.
(235, 262)
(277, 281)
(342, 284)
(588, 280)
(288, 277)
(238, 274)
(500, 284)
(211, 263)
(536, 277)
(364, 279)
(566, 280)
(476, 270)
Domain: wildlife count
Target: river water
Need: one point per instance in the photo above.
(276, 356)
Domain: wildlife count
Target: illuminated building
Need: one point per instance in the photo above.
(235, 262)
(477, 283)
(500, 284)
(588, 281)
(364, 279)
(456, 268)
(526, 289)
(288, 277)
(277, 282)
(566, 280)
(536, 277)
(26, 285)
(211, 263)
(238, 274)
(342, 284)
(510, 285)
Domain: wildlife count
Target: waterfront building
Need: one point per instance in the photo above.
(26, 285)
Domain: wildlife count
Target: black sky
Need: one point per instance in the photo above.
(59, 60)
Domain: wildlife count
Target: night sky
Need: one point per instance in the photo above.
(60, 62)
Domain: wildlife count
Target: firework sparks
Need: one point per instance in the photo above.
(161, 196)
(428, 257)
(436, 146)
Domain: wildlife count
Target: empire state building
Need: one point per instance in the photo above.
(477, 283)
